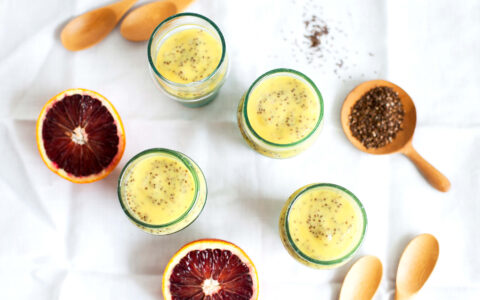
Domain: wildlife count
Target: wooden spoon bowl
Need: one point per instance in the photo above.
(416, 264)
(410, 119)
(139, 24)
(362, 280)
(403, 141)
(90, 28)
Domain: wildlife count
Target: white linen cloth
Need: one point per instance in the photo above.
(60, 240)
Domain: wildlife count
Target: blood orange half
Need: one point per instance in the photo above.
(210, 270)
(80, 135)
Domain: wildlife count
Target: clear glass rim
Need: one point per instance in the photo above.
(325, 262)
(194, 83)
(283, 70)
(186, 163)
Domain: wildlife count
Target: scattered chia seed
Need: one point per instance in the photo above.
(377, 117)
(315, 30)
(321, 39)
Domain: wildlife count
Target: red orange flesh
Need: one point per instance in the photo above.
(80, 135)
(210, 269)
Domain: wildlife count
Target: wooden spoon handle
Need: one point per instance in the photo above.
(436, 179)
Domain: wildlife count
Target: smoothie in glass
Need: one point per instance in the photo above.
(187, 56)
(162, 191)
(281, 114)
(322, 225)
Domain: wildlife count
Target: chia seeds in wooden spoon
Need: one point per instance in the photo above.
(377, 117)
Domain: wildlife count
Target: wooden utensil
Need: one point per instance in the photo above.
(90, 28)
(403, 141)
(362, 279)
(415, 266)
(139, 24)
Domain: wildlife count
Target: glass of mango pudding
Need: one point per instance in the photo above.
(187, 57)
(281, 114)
(162, 191)
(322, 225)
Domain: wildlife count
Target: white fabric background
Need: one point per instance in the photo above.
(59, 240)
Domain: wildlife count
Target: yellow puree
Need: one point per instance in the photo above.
(283, 109)
(159, 189)
(189, 55)
(324, 224)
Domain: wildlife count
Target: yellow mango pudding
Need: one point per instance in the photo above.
(187, 57)
(162, 191)
(322, 225)
(281, 114)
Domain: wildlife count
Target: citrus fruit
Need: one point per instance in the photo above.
(210, 270)
(80, 135)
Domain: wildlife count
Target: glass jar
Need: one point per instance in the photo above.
(193, 206)
(196, 93)
(304, 234)
(262, 144)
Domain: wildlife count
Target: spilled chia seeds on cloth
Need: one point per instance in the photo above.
(318, 37)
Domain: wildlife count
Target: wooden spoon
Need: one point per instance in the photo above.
(362, 279)
(415, 266)
(403, 141)
(90, 28)
(140, 23)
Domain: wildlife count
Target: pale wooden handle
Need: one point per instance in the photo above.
(436, 179)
